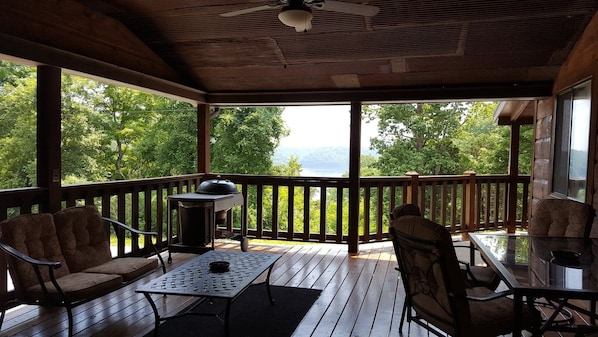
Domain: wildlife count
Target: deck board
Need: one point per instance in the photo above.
(361, 296)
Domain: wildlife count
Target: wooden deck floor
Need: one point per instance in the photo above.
(360, 297)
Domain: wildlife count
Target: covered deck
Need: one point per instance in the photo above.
(176, 47)
(361, 296)
(368, 279)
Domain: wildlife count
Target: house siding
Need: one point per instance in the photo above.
(581, 64)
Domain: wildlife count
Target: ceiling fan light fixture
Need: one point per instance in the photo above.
(299, 18)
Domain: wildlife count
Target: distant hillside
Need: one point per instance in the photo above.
(332, 161)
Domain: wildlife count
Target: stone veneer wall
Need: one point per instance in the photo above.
(542, 170)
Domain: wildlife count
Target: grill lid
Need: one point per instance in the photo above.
(217, 186)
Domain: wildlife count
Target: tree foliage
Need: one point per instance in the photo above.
(17, 126)
(444, 138)
(110, 132)
(244, 139)
(416, 137)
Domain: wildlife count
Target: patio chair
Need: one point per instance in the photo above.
(437, 292)
(476, 276)
(562, 218)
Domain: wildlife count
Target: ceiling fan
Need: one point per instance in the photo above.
(297, 13)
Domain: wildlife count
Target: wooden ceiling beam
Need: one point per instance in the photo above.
(472, 92)
(38, 54)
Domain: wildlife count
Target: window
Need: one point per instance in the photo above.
(572, 136)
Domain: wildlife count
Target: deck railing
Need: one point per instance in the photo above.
(310, 209)
(301, 208)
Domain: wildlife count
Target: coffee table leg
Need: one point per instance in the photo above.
(227, 319)
(268, 284)
(156, 315)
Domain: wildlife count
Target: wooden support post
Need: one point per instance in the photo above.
(354, 173)
(469, 200)
(203, 138)
(413, 188)
(48, 136)
(513, 174)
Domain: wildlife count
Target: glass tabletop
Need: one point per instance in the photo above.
(568, 264)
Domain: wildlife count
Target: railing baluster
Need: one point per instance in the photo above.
(323, 208)
(275, 201)
(379, 206)
(339, 215)
(259, 205)
(291, 213)
(366, 214)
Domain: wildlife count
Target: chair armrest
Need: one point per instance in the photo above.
(26, 258)
(37, 264)
(131, 229)
(490, 296)
(471, 248)
(117, 224)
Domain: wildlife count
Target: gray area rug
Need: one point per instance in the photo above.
(252, 315)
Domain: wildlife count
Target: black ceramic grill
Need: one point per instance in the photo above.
(217, 186)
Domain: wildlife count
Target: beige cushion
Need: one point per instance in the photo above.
(33, 235)
(561, 217)
(84, 239)
(485, 276)
(405, 209)
(495, 317)
(434, 299)
(455, 315)
(128, 268)
(77, 286)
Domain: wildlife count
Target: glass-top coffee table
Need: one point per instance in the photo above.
(195, 279)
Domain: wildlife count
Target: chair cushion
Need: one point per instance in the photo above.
(405, 209)
(485, 276)
(76, 287)
(494, 317)
(84, 238)
(561, 217)
(129, 268)
(33, 235)
(429, 295)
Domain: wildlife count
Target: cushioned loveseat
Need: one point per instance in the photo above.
(64, 259)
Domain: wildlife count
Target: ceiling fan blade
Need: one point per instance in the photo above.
(349, 8)
(248, 10)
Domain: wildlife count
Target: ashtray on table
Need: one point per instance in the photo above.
(565, 258)
(219, 266)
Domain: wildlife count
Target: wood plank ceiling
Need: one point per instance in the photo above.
(411, 49)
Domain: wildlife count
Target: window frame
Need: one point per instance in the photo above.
(569, 104)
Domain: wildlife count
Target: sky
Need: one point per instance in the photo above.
(315, 126)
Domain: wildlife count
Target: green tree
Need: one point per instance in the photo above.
(484, 147)
(169, 146)
(291, 169)
(478, 138)
(81, 142)
(417, 137)
(123, 116)
(18, 127)
(13, 73)
(368, 166)
(244, 139)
